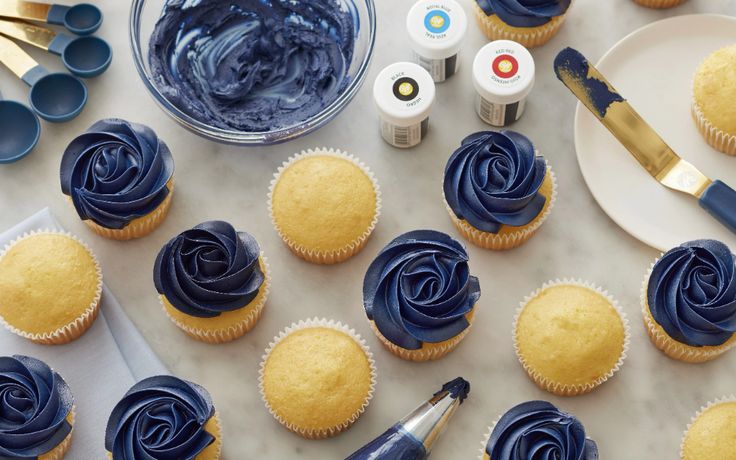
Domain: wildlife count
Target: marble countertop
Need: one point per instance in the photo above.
(639, 414)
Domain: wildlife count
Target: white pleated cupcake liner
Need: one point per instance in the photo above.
(666, 344)
(529, 37)
(79, 326)
(561, 389)
(319, 256)
(309, 433)
(659, 3)
(218, 440)
(709, 405)
(58, 452)
(496, 242)
(487, 437)
(715, 137)
(435, 352)
(141, 226)
(234, 331)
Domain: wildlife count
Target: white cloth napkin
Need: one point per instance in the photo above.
(99, 367)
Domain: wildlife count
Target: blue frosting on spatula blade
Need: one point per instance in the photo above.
(571, 68)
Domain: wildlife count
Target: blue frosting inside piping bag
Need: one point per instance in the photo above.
(395, 444)
(571, 68)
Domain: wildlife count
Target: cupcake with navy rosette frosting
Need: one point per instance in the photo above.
(537, 430)
(119, 177)
(36, 410)
(213, 281)
(529, 22)
(164, 418)
(689, 301)
(419, 295)
(498, 191)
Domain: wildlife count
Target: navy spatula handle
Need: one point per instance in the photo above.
(720, 201)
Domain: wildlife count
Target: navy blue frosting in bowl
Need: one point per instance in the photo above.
(34, 405)
(419, 289)
(524, 13)
(537, 430)
(209, 269)
(691, 293)
(116, 172)
(493, 179)
(253, 72)
(160, 418)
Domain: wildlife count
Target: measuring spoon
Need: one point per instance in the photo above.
(54, 97)
(84, 56)
(81, 19)
(19, 130)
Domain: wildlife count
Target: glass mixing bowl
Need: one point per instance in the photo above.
(143, 17)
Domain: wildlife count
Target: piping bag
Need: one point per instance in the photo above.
(412, 438)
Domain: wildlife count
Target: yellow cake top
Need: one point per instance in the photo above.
(323, 202)
(714, 88)
(712, 436)
(47, 281)
(570, 334)
(317, 378)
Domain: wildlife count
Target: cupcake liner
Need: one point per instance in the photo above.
(310, 323)
(715, 137)
(505, 241)
(487, 437)
(139, 227)
(495, 29)
(671, 347)
(715, 402)
(658, 3)
(79, 326)
(234, 331)
(433, 352)
(319, 256)
(218, 438)
(576, 389)
(58, 452)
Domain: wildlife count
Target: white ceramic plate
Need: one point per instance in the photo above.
(653, 69)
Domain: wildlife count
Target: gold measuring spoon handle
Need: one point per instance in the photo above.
(14, 58)
(28, 33)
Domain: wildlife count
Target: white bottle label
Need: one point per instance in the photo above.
(403, 136)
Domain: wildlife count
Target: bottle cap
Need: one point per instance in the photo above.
(436, 28)
(404, 93)
(503, 72)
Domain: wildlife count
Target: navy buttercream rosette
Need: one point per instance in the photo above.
(116, 172)
(524, 13)
(493, 179)
(209, 269)
(537, 430)
(419, 289)
(692, 293)
(34, 405)
(160, 418)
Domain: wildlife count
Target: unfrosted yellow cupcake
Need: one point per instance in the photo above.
(525, 22)
(714, 92)
(50, 287)
(324, 204)
(659, 3)
(213, 281)
(317, 377)
(570, 337)
(712, 433)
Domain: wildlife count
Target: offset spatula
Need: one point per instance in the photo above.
(592, 89)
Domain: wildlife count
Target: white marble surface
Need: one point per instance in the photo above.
(639, 414)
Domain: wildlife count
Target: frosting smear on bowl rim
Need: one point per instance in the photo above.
(252, 65)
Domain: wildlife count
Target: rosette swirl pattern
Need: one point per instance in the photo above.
(419, 289)
(209, 269)
(524, 13)
(252, 65)
(34, 405)
(493, 179)
(537, 430)
(692, 293)
(160, 418)
(116, 172)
